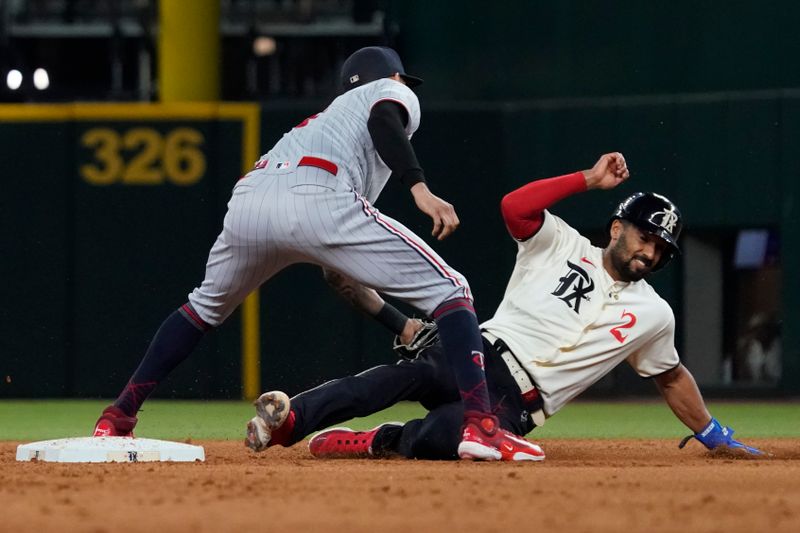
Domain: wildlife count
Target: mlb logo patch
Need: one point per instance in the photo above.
(282, 164)
(354, 78)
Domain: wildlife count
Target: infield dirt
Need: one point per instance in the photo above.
(583, 485)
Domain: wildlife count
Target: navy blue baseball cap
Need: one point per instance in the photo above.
(373, 63)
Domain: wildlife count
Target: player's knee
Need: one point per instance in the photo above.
(458, 288)
(190, 314)
(453, 305)
(211, 311)
(448, 293)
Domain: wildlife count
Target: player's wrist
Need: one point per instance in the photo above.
(714, 435)
(394, 320)
(419, 189)
(590, 178)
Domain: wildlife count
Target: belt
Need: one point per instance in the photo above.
(318, 162)
(306, 161)
(530, 394)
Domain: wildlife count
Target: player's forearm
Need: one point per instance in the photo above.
(369, 302)
(523, 208)
(362, 298)
(680, 391)
(389, 137)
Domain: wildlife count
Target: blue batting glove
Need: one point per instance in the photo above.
(715, 435)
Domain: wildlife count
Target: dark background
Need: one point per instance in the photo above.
(703, 99)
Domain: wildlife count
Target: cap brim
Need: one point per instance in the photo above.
(411, 81)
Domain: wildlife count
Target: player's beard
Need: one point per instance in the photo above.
(622, 261)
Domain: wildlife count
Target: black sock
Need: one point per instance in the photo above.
(173, 342)
(461, 339)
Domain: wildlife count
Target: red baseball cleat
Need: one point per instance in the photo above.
(344, 443)
(114, 423)
(483, 438)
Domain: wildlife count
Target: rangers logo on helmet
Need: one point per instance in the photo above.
(668, 219)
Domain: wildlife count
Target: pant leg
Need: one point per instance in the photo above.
(438, 434)
(505, 396)
(434, 437)
(426, 380)
(248, 251)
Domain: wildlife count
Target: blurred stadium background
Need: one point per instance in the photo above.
(116, 171)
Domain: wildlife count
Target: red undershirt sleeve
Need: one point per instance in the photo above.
(523, 209)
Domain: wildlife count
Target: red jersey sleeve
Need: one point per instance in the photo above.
(523, 208)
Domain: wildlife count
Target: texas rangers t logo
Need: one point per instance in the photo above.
(581, 284)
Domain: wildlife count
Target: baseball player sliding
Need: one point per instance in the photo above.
(309, 200)
(570, 314)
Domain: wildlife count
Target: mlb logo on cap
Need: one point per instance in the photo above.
(373, 63)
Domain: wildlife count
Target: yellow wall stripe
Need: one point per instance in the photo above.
(91, 111)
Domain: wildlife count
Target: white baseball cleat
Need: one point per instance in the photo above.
(272, 409)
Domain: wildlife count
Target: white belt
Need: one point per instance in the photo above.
(520, 375)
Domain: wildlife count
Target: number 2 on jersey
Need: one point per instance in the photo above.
(615, 331)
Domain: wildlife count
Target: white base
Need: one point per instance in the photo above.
(109, 450)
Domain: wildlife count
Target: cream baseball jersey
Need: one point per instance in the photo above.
(569, 323)
(340, 135)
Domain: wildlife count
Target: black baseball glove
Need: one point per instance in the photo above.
(423, 339)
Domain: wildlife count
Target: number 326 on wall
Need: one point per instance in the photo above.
(175, 157)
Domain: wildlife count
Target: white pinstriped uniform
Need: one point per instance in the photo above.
(282, 213)
(568, 323)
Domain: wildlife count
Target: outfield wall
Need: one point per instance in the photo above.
(519, 49)
(108, 213)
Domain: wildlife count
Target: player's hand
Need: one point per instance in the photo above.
(715, 436)
(410, 346)
(445, 220)
(609, 171)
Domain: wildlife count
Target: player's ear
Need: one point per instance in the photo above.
(616, 230)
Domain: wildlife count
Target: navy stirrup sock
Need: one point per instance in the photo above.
(461, 338)
(173, 342)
